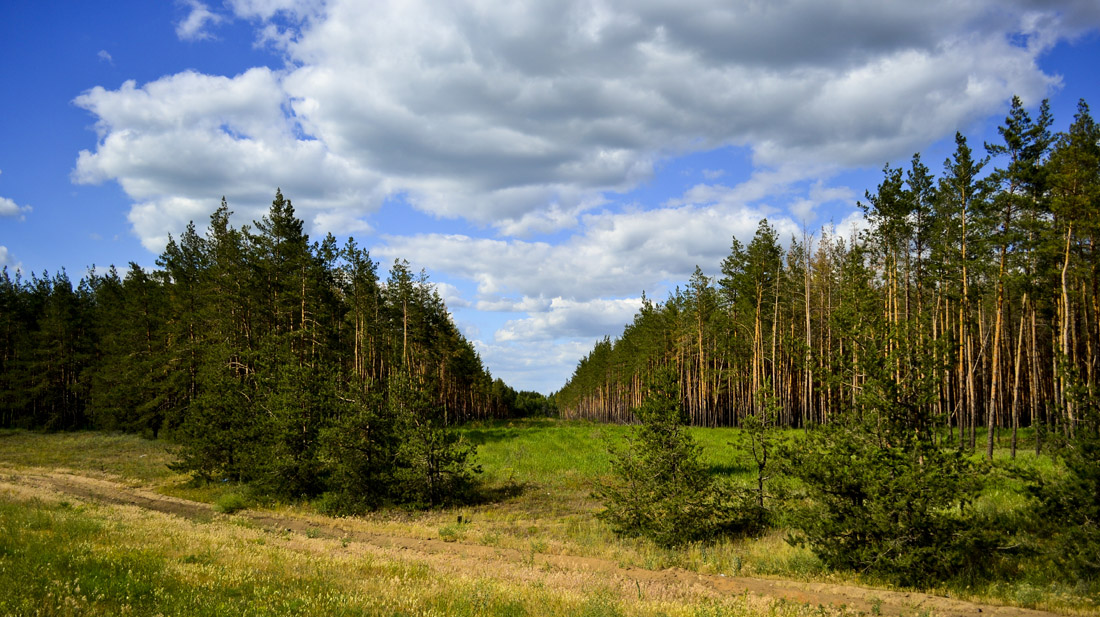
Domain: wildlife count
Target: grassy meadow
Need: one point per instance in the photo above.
(65, 557)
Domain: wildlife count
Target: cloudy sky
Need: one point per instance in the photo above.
(544, 161)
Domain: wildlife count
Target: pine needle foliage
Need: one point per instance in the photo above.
(1067, 509)
(659, 487)
(884, 498)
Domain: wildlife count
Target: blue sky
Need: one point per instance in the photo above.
(545, 162)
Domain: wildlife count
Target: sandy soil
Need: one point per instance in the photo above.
(518, 565)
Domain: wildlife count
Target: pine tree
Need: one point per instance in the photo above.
(433, 466)
(884, 498)
(659, 487)
(1074, 180)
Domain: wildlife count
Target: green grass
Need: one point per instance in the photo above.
(117, 455)
(552, 468)
(56, 559)
(81, 562)
(573, 455)
(567, 455)
(232, 502)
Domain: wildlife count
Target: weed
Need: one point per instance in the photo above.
(601, 604)
(453, 532)
(231, 502)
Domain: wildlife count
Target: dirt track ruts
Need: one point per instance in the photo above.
(856, 599)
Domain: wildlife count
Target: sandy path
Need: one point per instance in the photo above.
(494, 561)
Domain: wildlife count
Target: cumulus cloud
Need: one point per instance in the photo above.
(535, 119)
(542, 368)
(179, 144)
(9, 208)
(587, 286)
(105, 56)
(452, 296)
(525, 118)
(616, 254)
(199, 17)
(572, 319)
(510, 305)
(7, 260)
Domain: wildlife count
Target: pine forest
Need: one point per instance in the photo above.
(266, 355)
(962, 319)
(976, 291)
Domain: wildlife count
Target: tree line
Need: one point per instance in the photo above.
(983, 282)
(270, 358)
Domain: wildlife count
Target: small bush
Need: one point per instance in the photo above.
(660, 489)
(886, 500)
(453, 532)
(231, 502)
(1067, 509)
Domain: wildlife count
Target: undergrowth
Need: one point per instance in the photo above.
(552, 468)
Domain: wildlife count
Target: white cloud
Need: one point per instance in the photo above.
(527, 117)
(849, 227)
(266, 9)
(572, 319)
(617, 254)
(539, 367)
(105, 56)
(531, 120)
(526, 304)
(10, 209)
(199, 17)
(179, 144)
(587, 286)
(7, 260)
(452, 296)
(340, 222)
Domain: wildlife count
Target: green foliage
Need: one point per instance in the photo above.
(884, 498)
(220, 437)
(524, 404)
(231, 502)
(270, 359)
(1067, 509)
(760, 439)
(360, 451)
(433, 464)
(898, 511)
(660, 488)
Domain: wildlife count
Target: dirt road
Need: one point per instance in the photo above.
(514, 564)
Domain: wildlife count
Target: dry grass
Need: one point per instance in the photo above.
(60, 557)
(549, 468)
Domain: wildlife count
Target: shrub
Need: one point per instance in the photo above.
(885, 500)
(1067, 510)
(660, 489)
(231, 502)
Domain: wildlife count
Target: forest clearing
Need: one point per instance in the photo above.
(96, 524)
(610, 309)
(839, 430)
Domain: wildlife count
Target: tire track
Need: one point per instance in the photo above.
(852, 598)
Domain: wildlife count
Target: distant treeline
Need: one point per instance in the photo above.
(987, 283)
(246, 345)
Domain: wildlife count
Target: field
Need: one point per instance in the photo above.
(96, 524)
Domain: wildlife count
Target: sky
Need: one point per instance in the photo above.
(544, 162)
